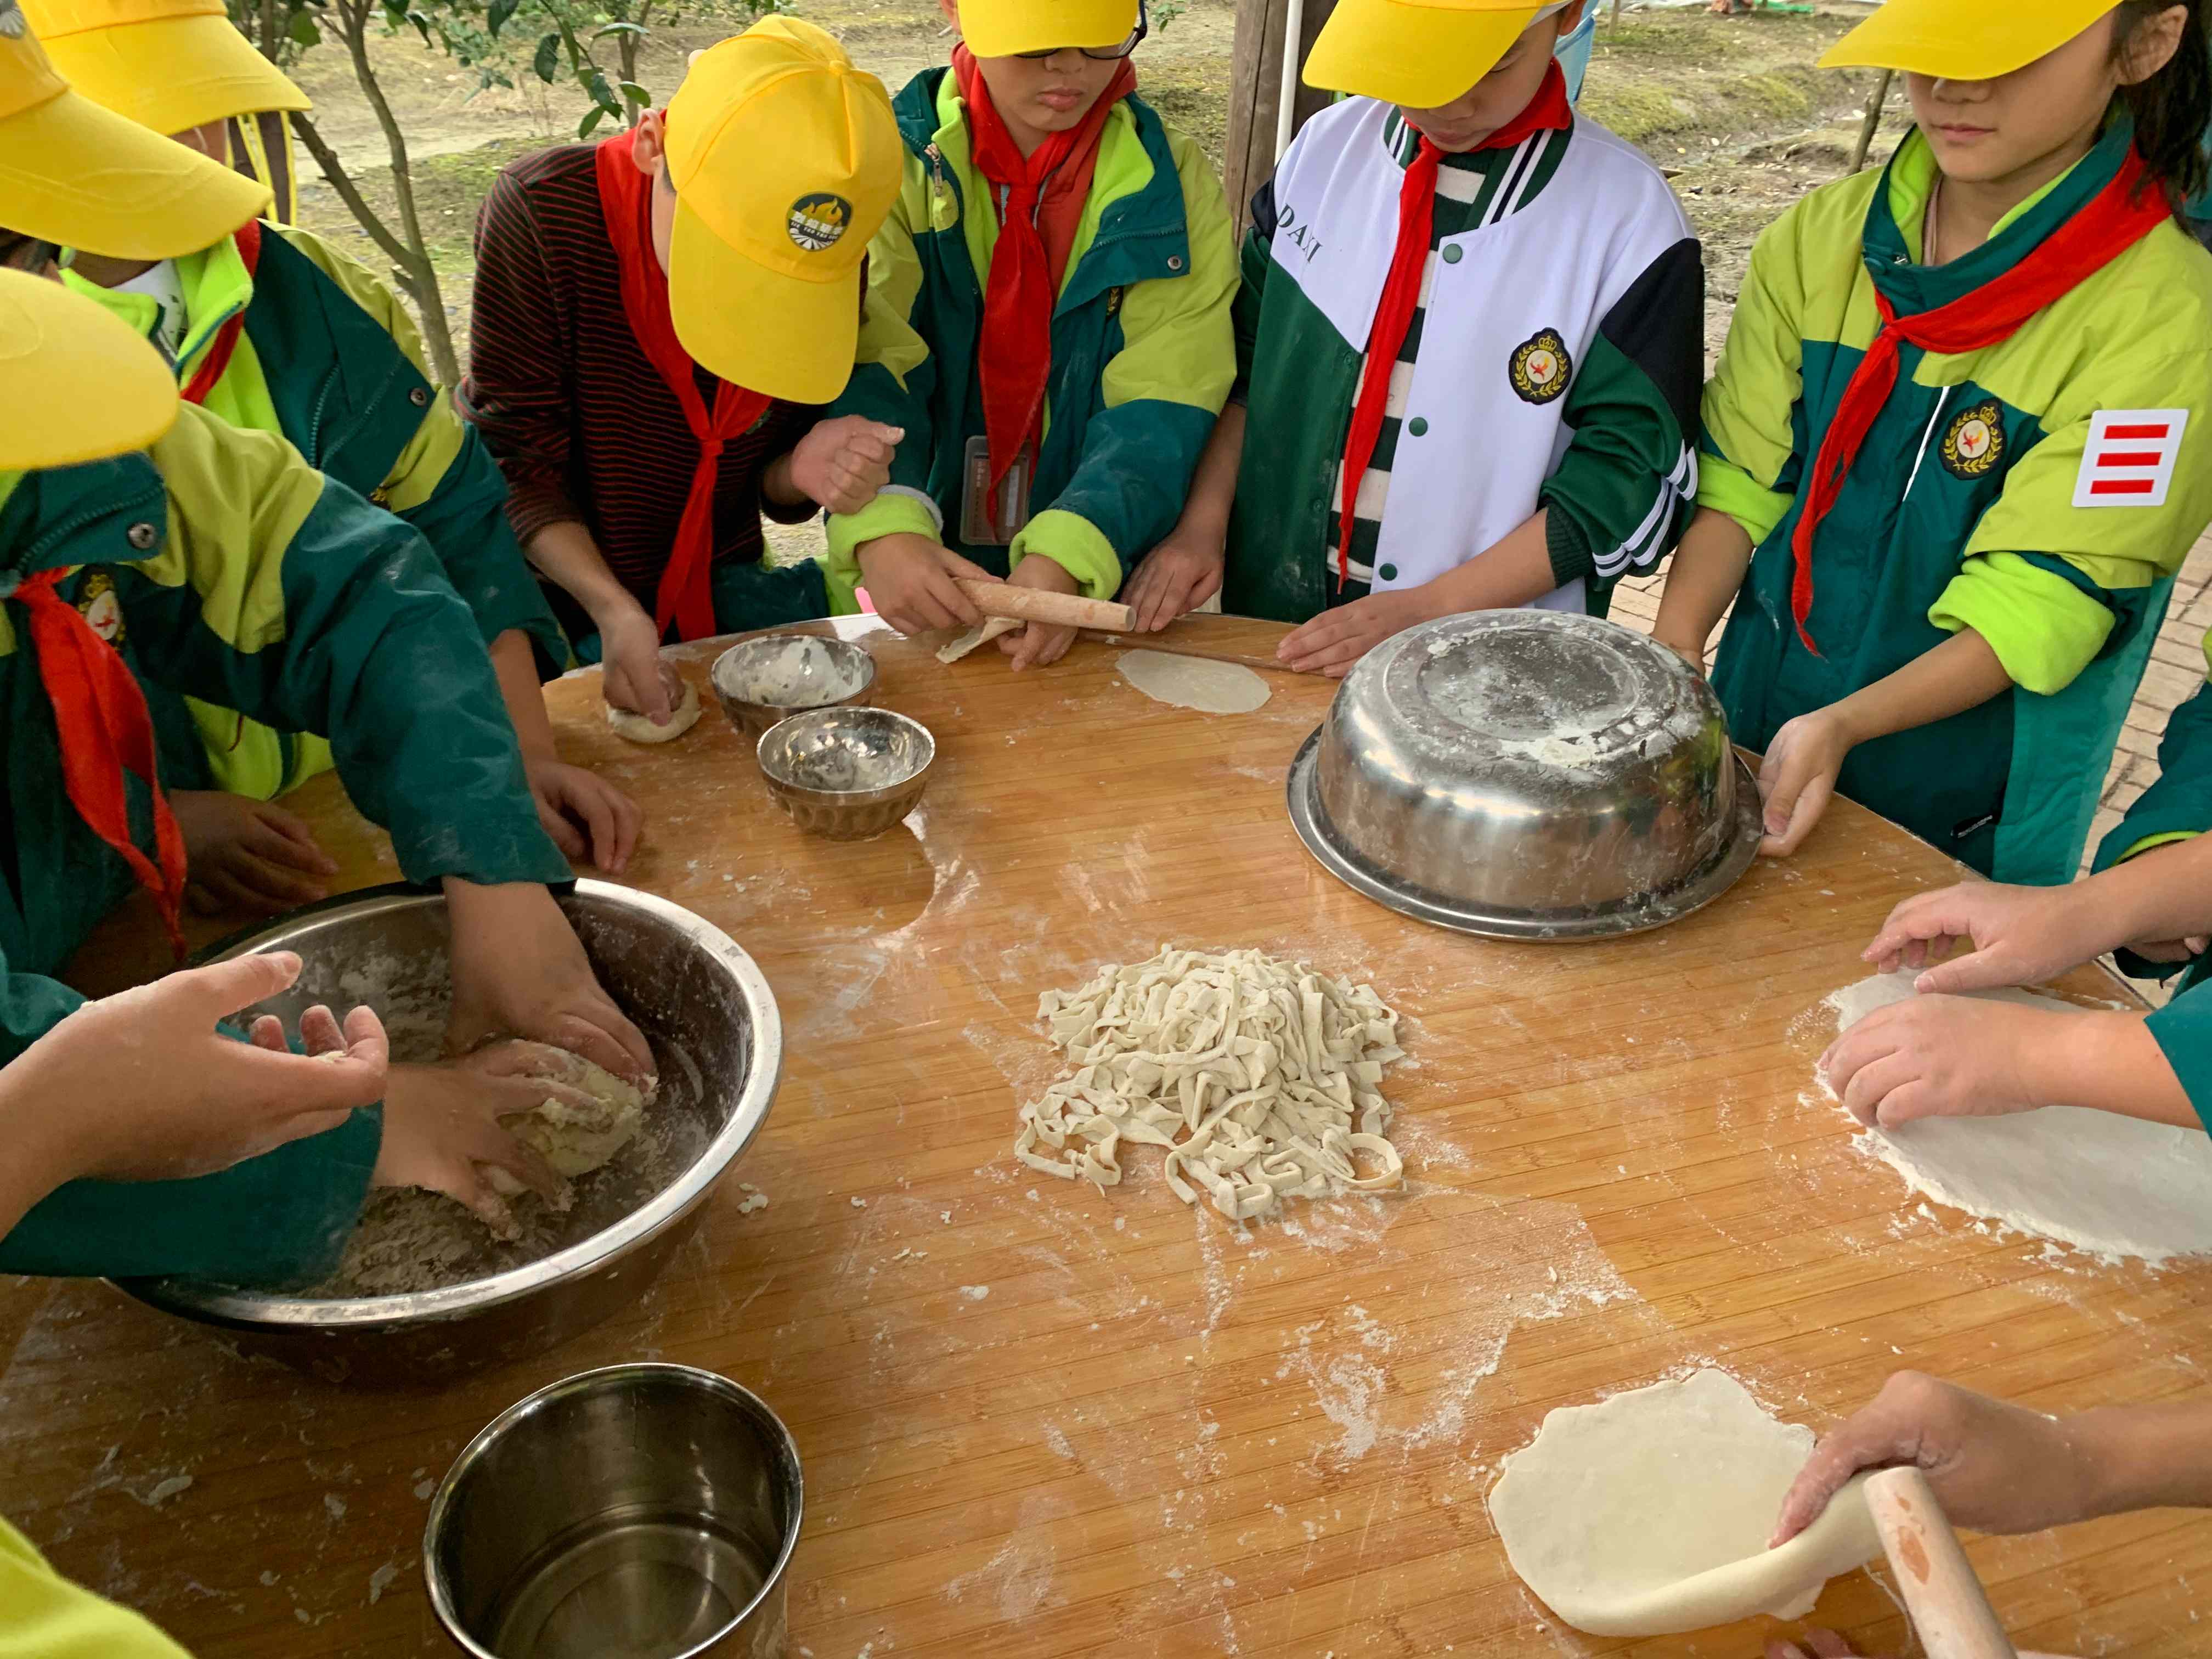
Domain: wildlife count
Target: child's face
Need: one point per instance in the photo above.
(1989, 132)
(1461, 124)
(1039, 96)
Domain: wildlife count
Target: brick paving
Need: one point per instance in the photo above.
(2176, 670)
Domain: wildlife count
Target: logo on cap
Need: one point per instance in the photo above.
(815, 221)
(12, 26)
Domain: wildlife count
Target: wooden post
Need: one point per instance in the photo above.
(1254, 95)
(1872, 125)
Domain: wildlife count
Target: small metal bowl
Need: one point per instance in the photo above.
(1528, 774)
(717, 1042)
(761, 681)
(848, 774)
(644, 1509)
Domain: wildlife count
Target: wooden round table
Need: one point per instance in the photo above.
(1037, 1420)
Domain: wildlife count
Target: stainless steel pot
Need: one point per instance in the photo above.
(1528, 774)
(848, 774)
(637, 1512)
(718, 1041)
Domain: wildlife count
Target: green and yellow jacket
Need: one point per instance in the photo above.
(1142, 352)
(330, 360)
(44, 1616)
(223, 566)
(1971, 504)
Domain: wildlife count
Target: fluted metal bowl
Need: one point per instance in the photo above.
(1528, 774)
(718, 1045)
(772, 676)
(848, 774)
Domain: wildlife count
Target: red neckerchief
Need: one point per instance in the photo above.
(1043, 197)
(100, 719)
(217, 360)
(1548, 112)
(687, 590)
(2121, 214)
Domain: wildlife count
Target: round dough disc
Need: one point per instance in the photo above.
(1649, 1513)
(638, 728)
(1212, 688)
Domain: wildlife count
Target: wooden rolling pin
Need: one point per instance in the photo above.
(1053, 610)
(1941, 1592)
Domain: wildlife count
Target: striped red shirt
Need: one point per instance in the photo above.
(582, 424)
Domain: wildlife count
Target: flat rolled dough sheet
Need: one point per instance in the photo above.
(981, 634)
(1212, 688)
(1648, 1514)
(640, 728)
(2109, 1185)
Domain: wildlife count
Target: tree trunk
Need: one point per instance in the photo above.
(1256, 94)
(410, 253)
(628, 45)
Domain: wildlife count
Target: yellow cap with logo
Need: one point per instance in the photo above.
(77, 384)
(786, 159)
(1001, 28)
(1961, 41)
(73, 172)
(167, 64)
(1421, 54)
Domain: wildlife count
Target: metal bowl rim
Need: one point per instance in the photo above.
(783, 711)
(256, 1310)
(1699, 889)
(599, 1379)
(845, 796)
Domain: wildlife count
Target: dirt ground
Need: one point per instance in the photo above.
(1731, 107)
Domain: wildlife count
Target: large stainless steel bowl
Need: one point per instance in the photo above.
(1528, 774)
(718, 1044)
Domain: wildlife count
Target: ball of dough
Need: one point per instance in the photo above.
(640, 728)
(576, 1140)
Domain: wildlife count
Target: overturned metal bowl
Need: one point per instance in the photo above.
(718, 1044)
(1528, 774)
(848, 774)
(768, 679)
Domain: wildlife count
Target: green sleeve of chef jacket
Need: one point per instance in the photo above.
(2175, 807)
(2183, 1031)
(281, 593)
(282, 1216)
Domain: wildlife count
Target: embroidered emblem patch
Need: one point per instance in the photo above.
(99, 607)
(1974, 442)
(2128, 459)
(819, 222)
(1540, 367)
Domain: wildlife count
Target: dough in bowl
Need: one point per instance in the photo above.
(577, 1139)
(1648, 1514)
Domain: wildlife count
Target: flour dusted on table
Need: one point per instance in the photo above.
(1260, 1077)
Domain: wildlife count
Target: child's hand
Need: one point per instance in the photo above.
(632, 675)
(1941, 1056)
(141, 1086)
(2020, 935)
(841, 464)
(1797, 778)
(1176, 578)
(1333, 642)
(442, 1126)
(518, 971)
(573, 804)
(1995, 1468)
(1034, 644)
(912, 583)
(248, 855)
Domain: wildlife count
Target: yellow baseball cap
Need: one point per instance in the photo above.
(167, 64)
(1422, 54)
(786, 159)
(1961, 41)
(1000, 29)
(73, 172)
(52, 342)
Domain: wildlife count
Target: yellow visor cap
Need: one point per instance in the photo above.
(73, 172)
(1961, 41)
(786, 159)
(75, 383)
(1421, 54)
(1001, 28)
(168, 64)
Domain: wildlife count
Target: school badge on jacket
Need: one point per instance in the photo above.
(1541, 367)
(100, 607)
(1974, 442)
